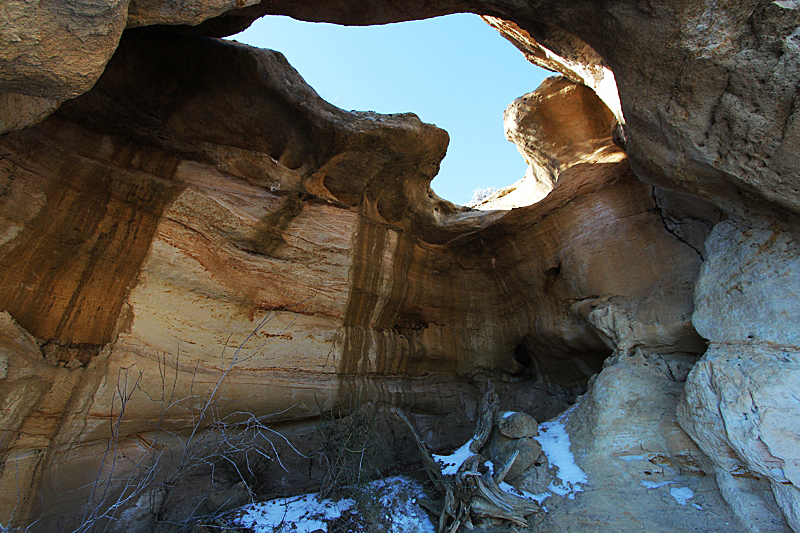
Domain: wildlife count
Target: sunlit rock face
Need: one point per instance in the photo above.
(559, 125)
(706, 90)
(740, 403)
(567, 54)
(583, 254)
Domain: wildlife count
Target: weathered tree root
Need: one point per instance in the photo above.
(474, 491)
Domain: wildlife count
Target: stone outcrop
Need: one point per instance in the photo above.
(52, 51)
(706, 91)
(18, 111)
(179, 12)
(567, 54)
(558, 126)
(740, 401)
(32, 391)
(625, 437)
(144, 239)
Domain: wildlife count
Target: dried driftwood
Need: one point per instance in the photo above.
(474, 491)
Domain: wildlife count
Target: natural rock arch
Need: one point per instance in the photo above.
(188, 192)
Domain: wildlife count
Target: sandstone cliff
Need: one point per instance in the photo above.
(188, 220)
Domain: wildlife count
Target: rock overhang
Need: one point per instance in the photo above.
(571, 279)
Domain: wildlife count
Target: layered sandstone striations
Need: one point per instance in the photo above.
(189, 196)
(137, 222)
(198, 188)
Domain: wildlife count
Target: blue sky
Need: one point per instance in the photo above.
(454, 71)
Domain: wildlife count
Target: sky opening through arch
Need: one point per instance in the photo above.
(453, 71)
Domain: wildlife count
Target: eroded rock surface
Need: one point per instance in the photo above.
(197, 188)
(559, 125)
(567, 54)
(740, 401)
(152, 223)
(706, 90)
(625, 437)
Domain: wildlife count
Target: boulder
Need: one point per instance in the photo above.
(739, 409)
(517, 425)
(500, 448)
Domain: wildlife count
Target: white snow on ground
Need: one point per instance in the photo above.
(399, 497)
(299, 514)
(304, 514)
(451, 463)
(681, 494)
(656, 484)
(628, 458)
(538, 498)
(555, 443)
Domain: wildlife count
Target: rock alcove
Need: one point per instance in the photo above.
(164, 192)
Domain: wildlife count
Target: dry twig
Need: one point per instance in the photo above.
(471, 492)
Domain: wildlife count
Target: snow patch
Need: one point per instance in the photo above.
(398, 496)
(788, 4)
(555, 443)
(508, 414)
(538, 498)
(628, 458)
(656, 484)
(299, 514)
(451, 463)
(681, 494)
(307, 513)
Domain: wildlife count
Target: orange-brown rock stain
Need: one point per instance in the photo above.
(384, 316)
(407, 314)
(370, 240)
(66, 274)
